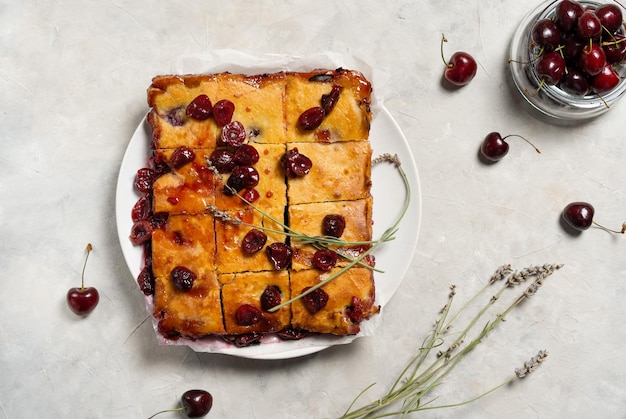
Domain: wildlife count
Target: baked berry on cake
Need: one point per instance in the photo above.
(258, 189)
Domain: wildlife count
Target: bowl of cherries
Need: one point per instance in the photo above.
(568, 58)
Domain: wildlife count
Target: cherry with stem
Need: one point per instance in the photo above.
(195, 404)
(83, 300)
(579, 216)
(494, 147)
(460, 68)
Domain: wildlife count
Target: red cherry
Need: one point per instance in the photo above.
(610, 17)
(460, 69)
(606, 80)
(195, 403)
(579, 216)
(592, 59)
(83, 300)
(494, 147)
(551, 68)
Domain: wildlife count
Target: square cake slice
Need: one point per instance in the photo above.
(338, 307)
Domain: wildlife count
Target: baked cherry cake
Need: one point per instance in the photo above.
(257, 189)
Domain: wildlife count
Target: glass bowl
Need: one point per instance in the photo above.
(551, 101)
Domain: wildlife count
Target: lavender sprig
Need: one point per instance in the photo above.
(428, 369)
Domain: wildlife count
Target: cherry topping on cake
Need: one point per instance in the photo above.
(333, 225)
(290, 333)
(144, 180)
(296, 164)
(311, 118)
(182, 278)
(270, 297)
(324, 259)
(246, 155)
(356, 311)
(141, 232)
(242, 177)
(175, 117)
(223, 160)
(223, 111)
(330, 100)
(279, 254)
(146, 281)
(233, 134)
(181, 156)
(250, 195)
(142, 209)
(253, 241)
(315, 300)
(200, 108)
(248, 315)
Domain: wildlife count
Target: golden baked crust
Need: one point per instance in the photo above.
(200, 225)
(308, 219)
(248, 288)
(340, 172)
(351, 291)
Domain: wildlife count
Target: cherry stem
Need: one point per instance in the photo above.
(610, 230)
(519, 136)
(180, 409)
(443, 39)
(82, 276)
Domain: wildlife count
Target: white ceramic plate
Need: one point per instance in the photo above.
(393, 257)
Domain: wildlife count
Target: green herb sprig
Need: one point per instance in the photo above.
(431, 365)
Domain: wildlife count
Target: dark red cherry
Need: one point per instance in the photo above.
(223, 111)
(575, 82)
(324, 259)
(141, 232)
(550, 67)
(145, 280)
(606, 80)
(571, 47)
(494, 147)
(181, 156)
(197, 403)
(610, 16)
(460, 68)
(592, 59)
(144, 180)
(333, 225)
(588, 25)
(233, 134)
(241, 177)
(311, 118)
(200, 108)
(142, 209)
(279, 254)
(315, 300)
(248, 315)
(83, 300)
(330, 99)
(296, 164)
(182, 278)
(546, 34)
(567, 13)
(223, 160)
(250, 195)
(270, 298)
(578, 215)
(246, 155)
(253, 241)
(615, 49)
